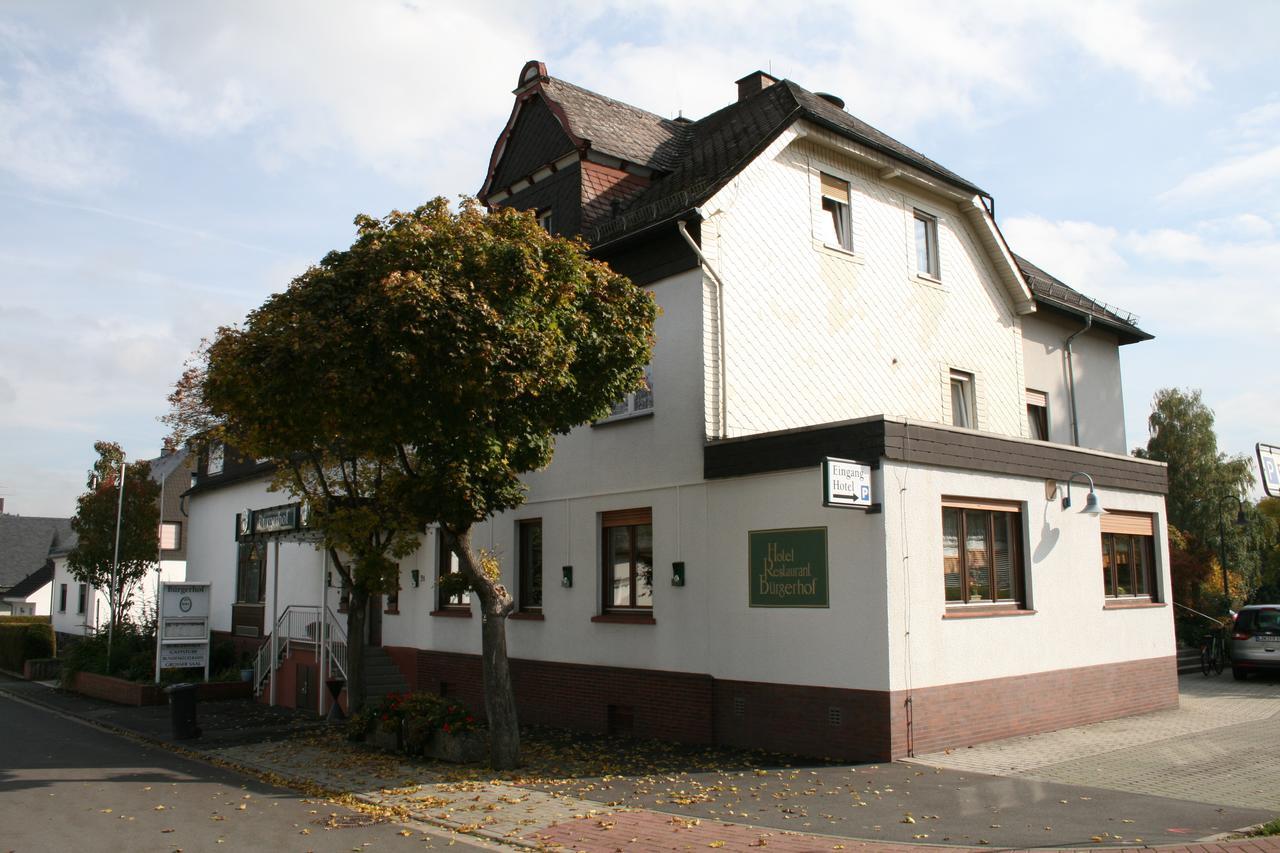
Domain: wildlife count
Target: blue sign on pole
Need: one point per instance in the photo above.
(1269, 461)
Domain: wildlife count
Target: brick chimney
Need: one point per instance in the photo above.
(756, 81)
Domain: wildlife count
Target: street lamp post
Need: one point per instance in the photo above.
(1222, 541)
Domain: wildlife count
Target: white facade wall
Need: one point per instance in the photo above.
(1063, 574)
(815, 334)
(212, 553)
(1099, 393)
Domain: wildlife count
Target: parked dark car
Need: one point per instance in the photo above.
(1255, 640)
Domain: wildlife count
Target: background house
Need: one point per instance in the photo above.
(77, 610)
(26, 543)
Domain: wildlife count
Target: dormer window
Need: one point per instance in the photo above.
(836, 228)
(217, 454)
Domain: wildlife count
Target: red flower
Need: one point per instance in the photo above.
(446, 727)
(385, 717)
(470, 719)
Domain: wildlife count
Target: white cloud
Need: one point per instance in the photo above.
(1120, 36)
(1239, 174)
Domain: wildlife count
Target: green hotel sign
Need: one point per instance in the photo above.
(788, 567)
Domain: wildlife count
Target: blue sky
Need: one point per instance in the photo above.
(165, 166)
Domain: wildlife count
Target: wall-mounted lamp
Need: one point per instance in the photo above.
(416, 577)
(677, 573)
(1091, 505)
(566, 576)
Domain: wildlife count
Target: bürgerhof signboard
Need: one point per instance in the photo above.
(788, 568)
(183, 639)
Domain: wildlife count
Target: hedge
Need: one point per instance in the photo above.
(23, 641)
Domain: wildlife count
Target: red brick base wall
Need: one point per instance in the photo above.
(824, 722)
(957, 715)
(850, 725)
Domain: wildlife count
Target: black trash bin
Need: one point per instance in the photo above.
(182, 707)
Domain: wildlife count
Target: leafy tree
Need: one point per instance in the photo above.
(438, 357)
(1206, 487)
(93, 558)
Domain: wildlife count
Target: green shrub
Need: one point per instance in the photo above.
(26, 620)
(133, 654)
(1271, 827)
(222, 656)
(23, 640)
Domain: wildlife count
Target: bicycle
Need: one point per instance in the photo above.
(1213, 654)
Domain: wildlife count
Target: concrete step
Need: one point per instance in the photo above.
(1188, 660)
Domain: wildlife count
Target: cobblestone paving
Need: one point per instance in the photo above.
(1222, 745)
(464, 800)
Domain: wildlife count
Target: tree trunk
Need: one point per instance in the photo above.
(499, 693)
(357, 606)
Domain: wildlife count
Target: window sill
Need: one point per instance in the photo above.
(391, 611)
(527, 616)
(930, 281)
(1135, 604)
(986, 613)
(840, 252)
(617, 419)
(625, 618)
(452, 613)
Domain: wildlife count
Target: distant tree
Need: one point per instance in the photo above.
(434, 361)
(94, 523)
(1206, 487)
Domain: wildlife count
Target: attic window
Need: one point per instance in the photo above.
(836, 229)
(544, 219)
(927, 245)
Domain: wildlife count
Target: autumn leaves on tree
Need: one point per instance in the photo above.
(410, 380)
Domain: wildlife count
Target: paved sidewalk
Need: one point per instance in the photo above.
(714, 799)
(1222, 745)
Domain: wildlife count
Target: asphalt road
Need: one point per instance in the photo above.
(67, 785)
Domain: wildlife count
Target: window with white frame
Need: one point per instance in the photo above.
(62, 598)
(170, 535)
(638, 402)
(836, 227)
(544, 219)
(81, 596)
(963, 410)
(927, 245)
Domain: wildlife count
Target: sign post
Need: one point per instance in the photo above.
(182, 637)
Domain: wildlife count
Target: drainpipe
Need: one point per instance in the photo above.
(1071, 378)
(721, 406)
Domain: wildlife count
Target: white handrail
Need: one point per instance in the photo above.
(297, 624)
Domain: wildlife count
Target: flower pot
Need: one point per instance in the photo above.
(458, 747)
(388, 741)
(246, 674)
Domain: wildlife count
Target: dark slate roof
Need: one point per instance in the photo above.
(163, 466)
(617, 129)
(25, 543)
(32, 582)
(707, 153)
(1055, 293)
